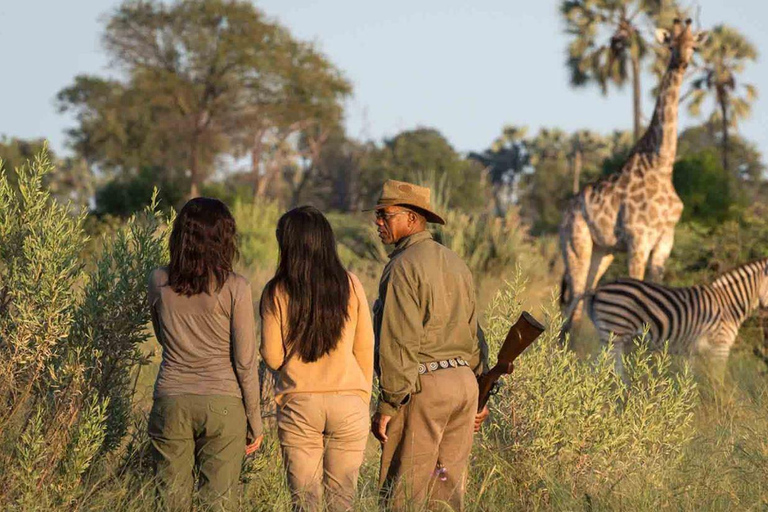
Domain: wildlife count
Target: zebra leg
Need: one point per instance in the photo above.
(711, 353)
(660, 254)
(617, 351)
(717, 363)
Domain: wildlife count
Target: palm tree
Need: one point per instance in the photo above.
(610, 39)
(508, 156)
(583, 144)
(724, 58)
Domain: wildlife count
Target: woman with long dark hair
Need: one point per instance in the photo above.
(317, 332)
(206, 399)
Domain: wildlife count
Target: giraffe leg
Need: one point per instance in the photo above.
(639, 251)
(576, 245)
(660, 254)
(600, 262)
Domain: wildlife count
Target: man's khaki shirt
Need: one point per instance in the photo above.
(425, 312)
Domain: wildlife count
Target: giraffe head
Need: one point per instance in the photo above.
(681, 42)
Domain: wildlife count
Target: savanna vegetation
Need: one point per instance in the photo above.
(257, 120)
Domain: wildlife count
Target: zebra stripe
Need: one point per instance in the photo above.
(689, 317)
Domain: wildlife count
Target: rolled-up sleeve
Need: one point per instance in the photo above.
(401, 332)
(245, 357)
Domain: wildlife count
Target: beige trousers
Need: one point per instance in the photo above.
(323, 437)
(435, 426)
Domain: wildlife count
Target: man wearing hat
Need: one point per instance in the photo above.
(427, 356)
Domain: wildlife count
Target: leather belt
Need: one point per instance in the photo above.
(443, 364)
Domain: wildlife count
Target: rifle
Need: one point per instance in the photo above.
(520, 336)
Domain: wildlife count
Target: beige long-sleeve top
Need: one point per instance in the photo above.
(348, 367)
(209, 343)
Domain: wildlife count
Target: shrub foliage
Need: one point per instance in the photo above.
(68, 339)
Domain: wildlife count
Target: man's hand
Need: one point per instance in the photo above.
(379, 424)
(254, 446)
(481, 417)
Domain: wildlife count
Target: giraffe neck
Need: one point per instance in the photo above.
(661, 137)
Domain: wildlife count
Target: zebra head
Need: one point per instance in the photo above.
(762, 285)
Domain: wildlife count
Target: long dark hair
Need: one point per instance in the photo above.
(314, 281)
(203, 245)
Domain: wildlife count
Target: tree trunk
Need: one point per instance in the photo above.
(299, 187)
(636, 95)
(724, 113)
(577, 163)
(194, 172)
(257, 147)
(501, 208)
(263, 181)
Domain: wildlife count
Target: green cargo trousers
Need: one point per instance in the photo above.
(203, 431)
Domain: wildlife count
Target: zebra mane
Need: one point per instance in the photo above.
(750, 269)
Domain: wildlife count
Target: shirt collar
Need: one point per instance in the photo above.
(410, 240)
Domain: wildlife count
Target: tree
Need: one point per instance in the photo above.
(587, 149)
(617, 59)
(413, 154)
(203, 77)
(745, 160)
(619, 145)
(508, 157)
(724, 59)
(706, 188)
(287, 123)
(126, 194)
(191, 57)
(335, 183)
(70, 181)
(121, 131)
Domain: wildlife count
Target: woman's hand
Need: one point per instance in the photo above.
(254, 446)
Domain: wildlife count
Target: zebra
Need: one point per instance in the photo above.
(702, 319)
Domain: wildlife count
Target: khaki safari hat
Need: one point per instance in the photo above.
(400, 193)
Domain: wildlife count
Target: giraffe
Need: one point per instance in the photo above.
(635, 210)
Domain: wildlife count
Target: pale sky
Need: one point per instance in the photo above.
(465, 68)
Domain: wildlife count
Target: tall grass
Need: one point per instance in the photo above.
(565, 433)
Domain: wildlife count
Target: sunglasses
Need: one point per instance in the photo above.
(382, 215)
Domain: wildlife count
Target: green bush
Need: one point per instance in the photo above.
(485, 242)
(256, 223)
(568, 424)
(131, 193)
(708, 191)
(68, 340)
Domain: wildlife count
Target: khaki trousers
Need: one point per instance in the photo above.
(207, 431)
(323, 437)
(436, 425)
